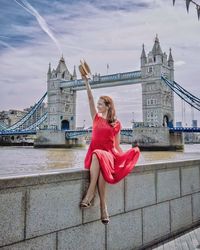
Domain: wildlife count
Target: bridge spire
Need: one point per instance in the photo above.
(74, 73)
(62, 70)
(49, 72)
(156, 47)
(143, 57)
(170, 59)
(61, 65)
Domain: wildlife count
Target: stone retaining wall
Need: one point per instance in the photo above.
(152, 203)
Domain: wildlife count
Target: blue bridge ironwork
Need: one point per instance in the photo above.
(183, 93)
(70, 134)
(185, 129)
(118, 79)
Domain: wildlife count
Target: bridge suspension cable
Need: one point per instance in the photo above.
(183, 111)
(192, 113)
(37, 123)
(183, 93)
(3, 126)
(186, 92)
(28, 115)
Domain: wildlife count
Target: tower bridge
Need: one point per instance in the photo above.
(157, 97)
(156, 76)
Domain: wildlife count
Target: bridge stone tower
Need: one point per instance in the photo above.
(61, 102)
(157, 97)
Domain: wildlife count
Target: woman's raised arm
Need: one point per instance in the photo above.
(85, 72)
(93, 110)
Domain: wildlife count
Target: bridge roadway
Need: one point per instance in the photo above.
(189, 240)
(126, 131)
(69, 134)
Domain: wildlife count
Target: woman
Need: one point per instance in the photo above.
(105, 159)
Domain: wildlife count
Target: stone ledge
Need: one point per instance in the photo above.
(42, 178)
(165, 165)
(80, 173)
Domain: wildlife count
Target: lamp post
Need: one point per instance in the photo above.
(133, 120)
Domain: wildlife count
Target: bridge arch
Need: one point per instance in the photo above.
(167, 120)
(64, 124)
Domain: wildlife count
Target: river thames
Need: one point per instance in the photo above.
(28, 160)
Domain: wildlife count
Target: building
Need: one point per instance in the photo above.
(8, 118)
(11, 117)
(37, 115)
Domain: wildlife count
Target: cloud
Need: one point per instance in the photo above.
(179, 63)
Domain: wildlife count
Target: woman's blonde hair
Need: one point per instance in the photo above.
(111, 115)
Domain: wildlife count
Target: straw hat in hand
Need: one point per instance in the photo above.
(84, 69)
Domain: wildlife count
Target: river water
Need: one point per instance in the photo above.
(16, 161)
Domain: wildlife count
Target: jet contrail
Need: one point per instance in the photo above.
(4, 36)
(44, 26)
(7, 45)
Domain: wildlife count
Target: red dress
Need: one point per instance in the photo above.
(114, 165)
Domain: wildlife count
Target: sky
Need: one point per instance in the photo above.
(34, 33)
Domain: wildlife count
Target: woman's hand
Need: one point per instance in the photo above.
(117, 143)
(85, 78)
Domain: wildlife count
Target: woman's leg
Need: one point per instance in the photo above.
(102, 196)
(102, 190)
(94, 173)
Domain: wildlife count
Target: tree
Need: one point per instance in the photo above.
(188, 2)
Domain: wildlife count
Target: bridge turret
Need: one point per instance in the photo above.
(170, 59)
(152, 65)
(165, 59)
(49, 72)
(61, 102)
(171, 65)
(74, 77)
(143, 57)
(62, 71)
(157, 51)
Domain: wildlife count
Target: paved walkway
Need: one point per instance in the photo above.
(187, 241)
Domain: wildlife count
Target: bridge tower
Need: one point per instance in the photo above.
(157, 97)
(61, 102)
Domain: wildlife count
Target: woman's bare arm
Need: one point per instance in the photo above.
(93, 110)
(117, 142)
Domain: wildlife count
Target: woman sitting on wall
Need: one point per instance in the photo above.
(105, 159)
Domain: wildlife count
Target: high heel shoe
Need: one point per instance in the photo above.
(104, 216)
(86, 203)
